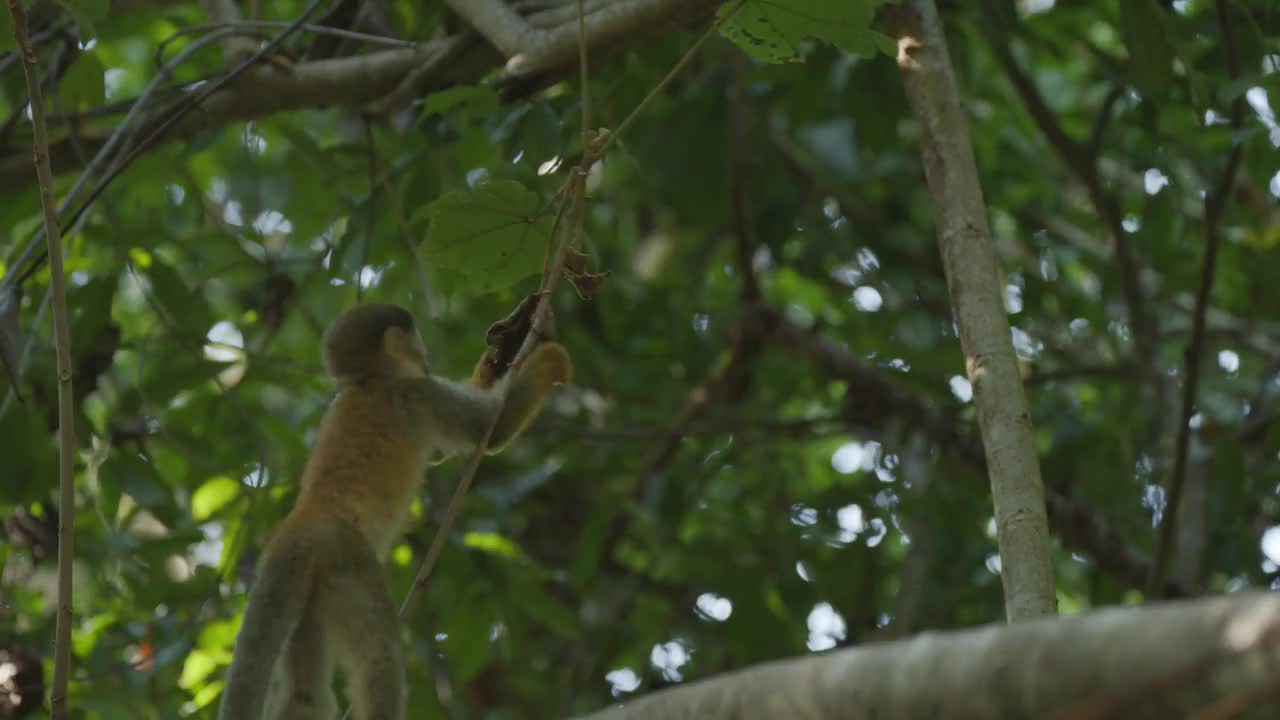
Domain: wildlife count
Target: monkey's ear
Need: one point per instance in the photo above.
(407, 354)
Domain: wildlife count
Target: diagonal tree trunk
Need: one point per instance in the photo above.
(978, 303)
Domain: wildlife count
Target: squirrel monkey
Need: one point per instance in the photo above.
(319, 595)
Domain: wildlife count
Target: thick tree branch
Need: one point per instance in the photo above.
(365, 80)
(531, 50)
(1104, 664)
(977, 298)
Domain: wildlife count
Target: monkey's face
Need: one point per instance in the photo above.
(406, 353)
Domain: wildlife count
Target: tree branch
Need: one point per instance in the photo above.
(1102, 120)
(531, 50)
(62, 342)
(224, 12)
(1214, 202)
(1081, 160)
(361, 81)
(1106, 663)
(964, 239)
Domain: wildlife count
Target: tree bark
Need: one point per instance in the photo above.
(969, 261)
(1217, 657)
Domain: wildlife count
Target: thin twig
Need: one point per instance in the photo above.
(583, 74)
(372, 148)
(1214, 202)
(568, 223)
(1102, 119)
(744, 238)
(1082, 162)
(671, 74)
(249, 28)
(542, 312)
(576, 202)
(62, 341)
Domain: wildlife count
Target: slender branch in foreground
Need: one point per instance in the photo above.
(62, 342)
(1111, 663)
(1214, 202)
(568, 223)
(964, 239)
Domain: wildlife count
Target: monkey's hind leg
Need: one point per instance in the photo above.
(365, 627)
(308, 671)
(276, 605)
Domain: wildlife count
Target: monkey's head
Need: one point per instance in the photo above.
(374, 340)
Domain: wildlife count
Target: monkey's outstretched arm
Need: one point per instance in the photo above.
(462, 411)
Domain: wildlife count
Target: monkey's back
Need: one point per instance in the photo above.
(367, 465)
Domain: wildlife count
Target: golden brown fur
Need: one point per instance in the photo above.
(319, 596)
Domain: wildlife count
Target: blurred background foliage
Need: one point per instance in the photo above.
(733, 476)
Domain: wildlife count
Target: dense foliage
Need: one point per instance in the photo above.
(769, 447)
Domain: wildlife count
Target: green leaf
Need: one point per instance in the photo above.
(29, 458)
(489, 238)
(544, 607)
(470, 102)
(494, 544)
(177, 372)
(1150, 52)
(86, 13)
(7, 41)
(590, 547)
(212, 496)
(83, 86)
(188, 308)
(90, 305)
(468, 645)
(137, 478)
(772, 30)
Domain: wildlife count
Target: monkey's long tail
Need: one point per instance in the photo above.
(276, 603)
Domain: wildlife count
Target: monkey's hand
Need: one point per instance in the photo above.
(547, 365)
(504, 339)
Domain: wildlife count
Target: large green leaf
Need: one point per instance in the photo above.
(774, 30)
(488, 238)
(83, 85)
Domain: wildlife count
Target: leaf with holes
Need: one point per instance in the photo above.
(488, 238)
(773, 30)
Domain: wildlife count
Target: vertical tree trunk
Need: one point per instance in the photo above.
(977, 300)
